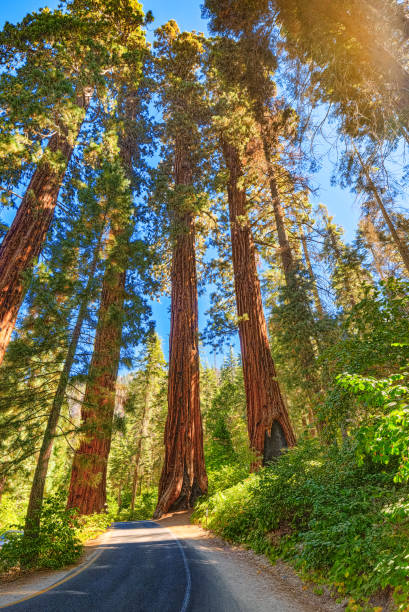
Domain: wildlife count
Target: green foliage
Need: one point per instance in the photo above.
(228, 457)
(372, 344)
(145, 505)
(325, 513)
(93, 525)
(57, 544)
(384, 435)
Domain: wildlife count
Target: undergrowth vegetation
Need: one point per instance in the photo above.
(59, 542)
(331, 515)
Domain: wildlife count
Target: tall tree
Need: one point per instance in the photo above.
(268, 422)
(32, 521)
(59, 43)
(183, 478)
(148, 386)
(88, 476)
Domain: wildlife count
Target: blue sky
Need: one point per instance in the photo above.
(340, 203)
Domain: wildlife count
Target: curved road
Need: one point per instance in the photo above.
(143, 567)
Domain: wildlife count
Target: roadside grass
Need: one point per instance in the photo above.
(335, 521)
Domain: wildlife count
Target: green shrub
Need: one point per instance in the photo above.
(145, 505)
(93, 525)
(56, 545)
(325, 513)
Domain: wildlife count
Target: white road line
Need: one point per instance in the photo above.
(188, 590)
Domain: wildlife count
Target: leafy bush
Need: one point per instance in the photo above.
(12, 512)
(93, 525)
(383, 437)
(325, 513)
(57, 544)
(145, 505)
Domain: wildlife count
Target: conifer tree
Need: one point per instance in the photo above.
(147, 391)
(348, 275)
(32, 521)
(88, 476)
(59, 39)
(183, 477)
(268, 422)
(87, 490)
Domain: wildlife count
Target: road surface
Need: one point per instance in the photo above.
(144, 567)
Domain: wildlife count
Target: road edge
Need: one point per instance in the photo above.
(61, 576)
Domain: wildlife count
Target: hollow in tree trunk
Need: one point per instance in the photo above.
(268, 422)
(183, 477)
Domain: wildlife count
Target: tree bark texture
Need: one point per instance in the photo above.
(265, 404)
(183, 477)
(25, 238)
(32, 522)
(87, 490)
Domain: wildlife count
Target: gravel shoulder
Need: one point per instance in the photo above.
(255, 583)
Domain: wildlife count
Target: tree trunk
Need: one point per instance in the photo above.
(268, 422)
(25, 238)
(316, 295)
(87, 490)
(3, 481)
(32, 522)
(183, 477)
(143, 435)
(401, 246)
(369, 233)
(286, 253)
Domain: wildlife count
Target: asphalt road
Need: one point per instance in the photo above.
(144, 568)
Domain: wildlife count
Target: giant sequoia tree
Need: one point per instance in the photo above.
(183, 477)
(59, 45)
(87, 490)
(267, 417)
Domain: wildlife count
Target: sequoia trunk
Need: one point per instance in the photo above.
(88, 475)
(268, 422)
(25, 238)
(183, 477)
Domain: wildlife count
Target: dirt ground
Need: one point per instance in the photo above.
(279, 579)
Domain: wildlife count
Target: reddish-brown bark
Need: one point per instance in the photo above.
(183, 477)
(26, 236)
(267, 416)
(88, 475)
